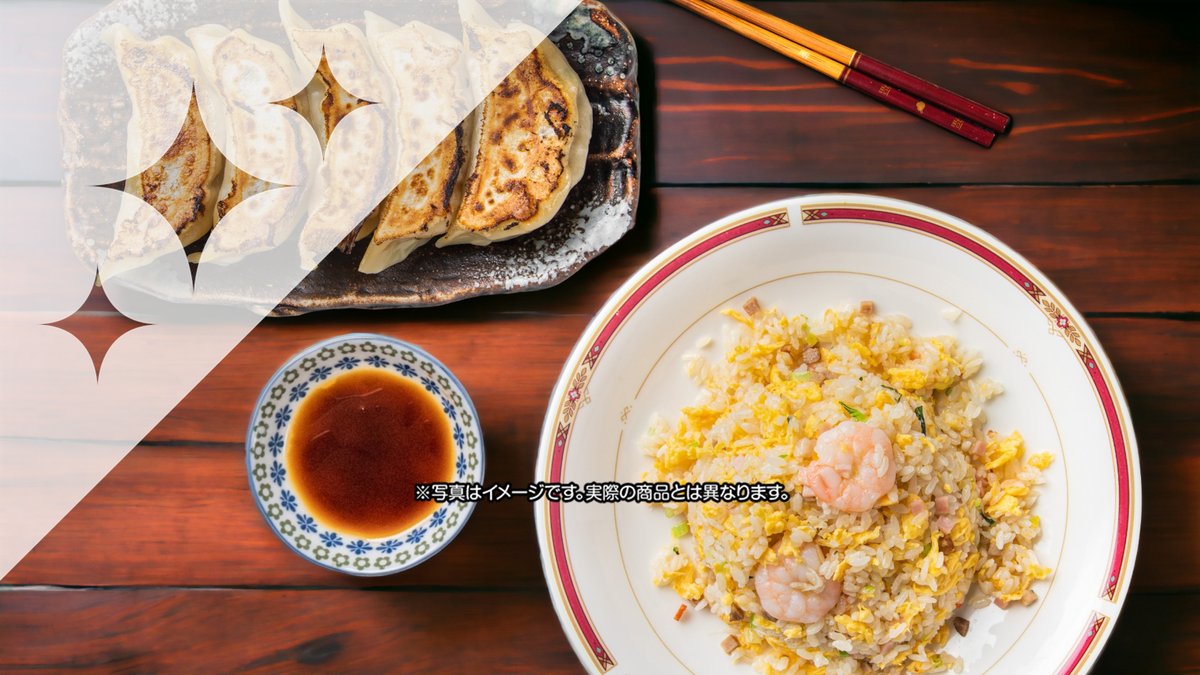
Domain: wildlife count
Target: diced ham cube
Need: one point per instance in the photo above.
(729, 644)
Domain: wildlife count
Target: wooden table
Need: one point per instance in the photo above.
(167, 565)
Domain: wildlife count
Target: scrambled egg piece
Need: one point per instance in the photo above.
(775, 521)
(683, 581)
(1041, 460)
(857, 624)
(840, 538)
(738, 317)
(913, 525)
(907, 378)
(1001, 451)
(1005, 499)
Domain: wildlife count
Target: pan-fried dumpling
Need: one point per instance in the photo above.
(241, 68)
(421, 206)
(529, 147)
(329, 101)
(427, 97)
(182, 184)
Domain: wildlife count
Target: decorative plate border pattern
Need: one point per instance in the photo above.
(276, 496)
(1083, 647)
(1059, 323)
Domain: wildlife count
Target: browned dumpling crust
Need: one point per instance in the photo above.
(529, 148)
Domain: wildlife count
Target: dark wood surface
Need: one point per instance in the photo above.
(167, 565)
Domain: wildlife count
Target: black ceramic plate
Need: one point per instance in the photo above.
(598, 210)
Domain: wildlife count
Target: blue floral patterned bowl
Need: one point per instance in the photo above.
(276, 496)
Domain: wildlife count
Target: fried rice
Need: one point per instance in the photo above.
(958, 526)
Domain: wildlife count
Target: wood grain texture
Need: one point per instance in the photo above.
(169, 630)
(182, 574)
(1154, 634)
(197, 524)
(1071, 232)
(731, 111)
(1113, 249)
(1147, 355)
(280, 631)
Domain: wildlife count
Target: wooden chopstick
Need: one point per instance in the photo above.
(971, 110)
(848, 76)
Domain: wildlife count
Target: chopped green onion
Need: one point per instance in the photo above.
(843, 652)
(855, 414)
(675, 549)
(920, 412)
(869, 588)
(928, 547)
(801, 375)
(679, 530)
(949, 390)
(894, 391)
(986, 518)
(810, 339)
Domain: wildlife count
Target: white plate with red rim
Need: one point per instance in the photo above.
(803, 255)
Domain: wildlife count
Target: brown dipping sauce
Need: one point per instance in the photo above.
(359, 445)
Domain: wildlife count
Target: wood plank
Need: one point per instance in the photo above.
(196, 524)
(280, 631)
(1154, 634)
(192, 504)
(1083, 113)
(1147, 355)
(1082, 238)
(727, 110)
(359, 631)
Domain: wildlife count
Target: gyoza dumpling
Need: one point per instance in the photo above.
(241, 69)
(427, 97)
(182, 184)
(330, 100)
(529, 147)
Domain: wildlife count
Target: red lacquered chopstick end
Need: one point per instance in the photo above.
(908, 103)
(922, 89)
